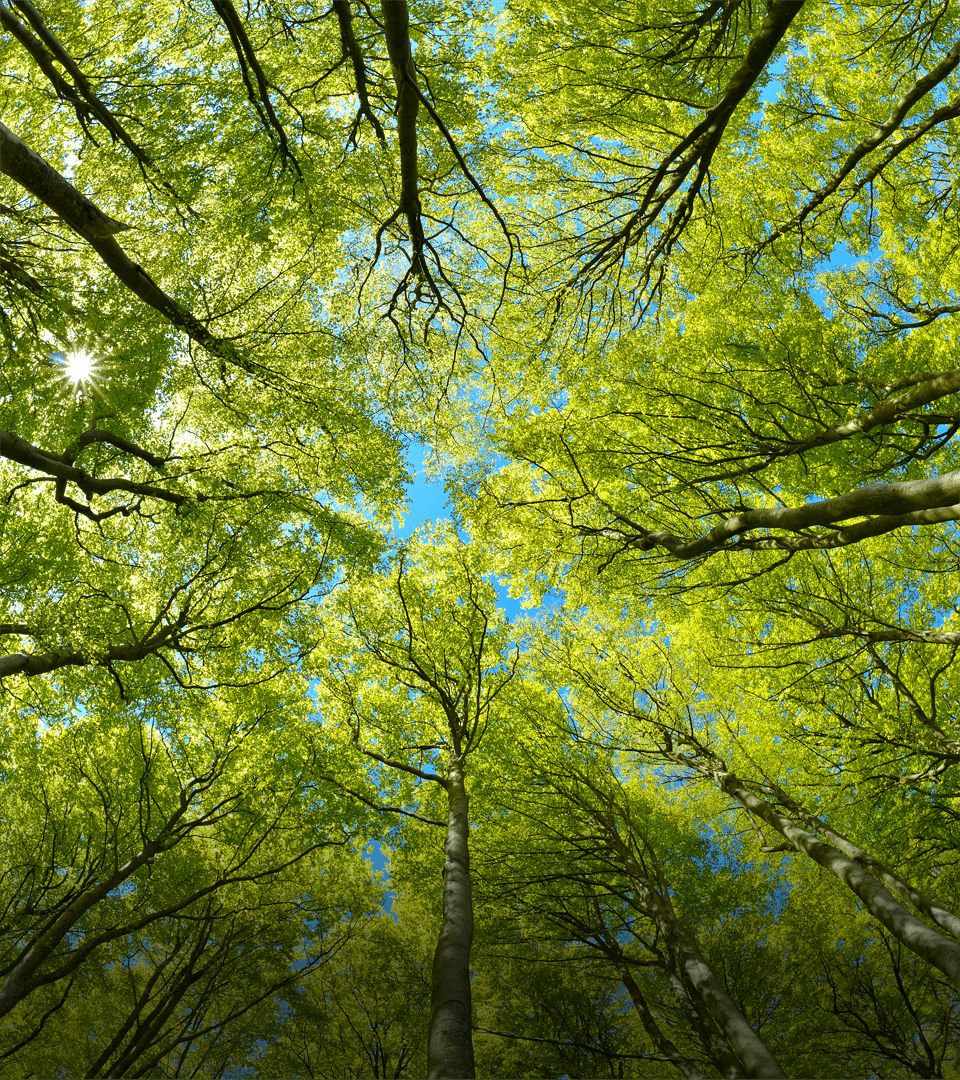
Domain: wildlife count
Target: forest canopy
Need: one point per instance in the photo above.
(642, 758)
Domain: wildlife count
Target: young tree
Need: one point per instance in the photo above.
(422, 657)
(167, 876)
(588, 859)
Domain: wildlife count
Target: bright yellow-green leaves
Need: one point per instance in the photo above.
(665, 292)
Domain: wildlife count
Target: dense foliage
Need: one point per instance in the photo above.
(642, 762)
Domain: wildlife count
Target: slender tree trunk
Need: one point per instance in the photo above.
(929, 944)
(752, 1051)
(450, 1042)
(664, 1045)
(946, 920)
(698, 976)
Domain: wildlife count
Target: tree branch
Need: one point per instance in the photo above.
(922, 392)
(62, 469)
(692, 154)
(396, 28)
(352, 51)
(899, 113)
(886, 507)
(402, 766)
(380, 807)
(38, 177)
(45, 48)
(258, 95)
(42, 663)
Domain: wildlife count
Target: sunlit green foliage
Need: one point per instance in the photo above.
(652, 747)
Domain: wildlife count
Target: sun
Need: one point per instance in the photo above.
(79, 366)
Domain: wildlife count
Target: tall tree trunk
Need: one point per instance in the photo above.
(946, 920)
(661, 1041)
(929, 944)
(710, 1000)
(698, 977)
(450, 1042)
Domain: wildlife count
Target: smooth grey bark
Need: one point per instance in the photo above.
(885, 506)
(29, 664)
(661, 1041)
(41, 179)
(946, 920)
(754, 1055)
(930, 945)
(728, 1040)
(705, 1027)
(897, 633)
(450, 1039)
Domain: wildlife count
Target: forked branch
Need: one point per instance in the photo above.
(47, 51)
(352, 52)
(255, 82)
(685, 167)
(883, 508)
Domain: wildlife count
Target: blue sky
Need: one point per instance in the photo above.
(428, 500)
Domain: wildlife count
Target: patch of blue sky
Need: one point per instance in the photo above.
(508, 604)
(375, 856)
(428, 500)
(527, 605)
(427, 496)
(773, 87)
(840, 259)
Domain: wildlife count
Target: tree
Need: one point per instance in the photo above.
(591, 855)
(415, 681)
(745, 414)
(353, 1017)
(170, 878)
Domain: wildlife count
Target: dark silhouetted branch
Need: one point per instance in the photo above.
(255, 81)
(38, 177)
(45, 48)
(686, 166)
(352, 51)
(396, 27)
